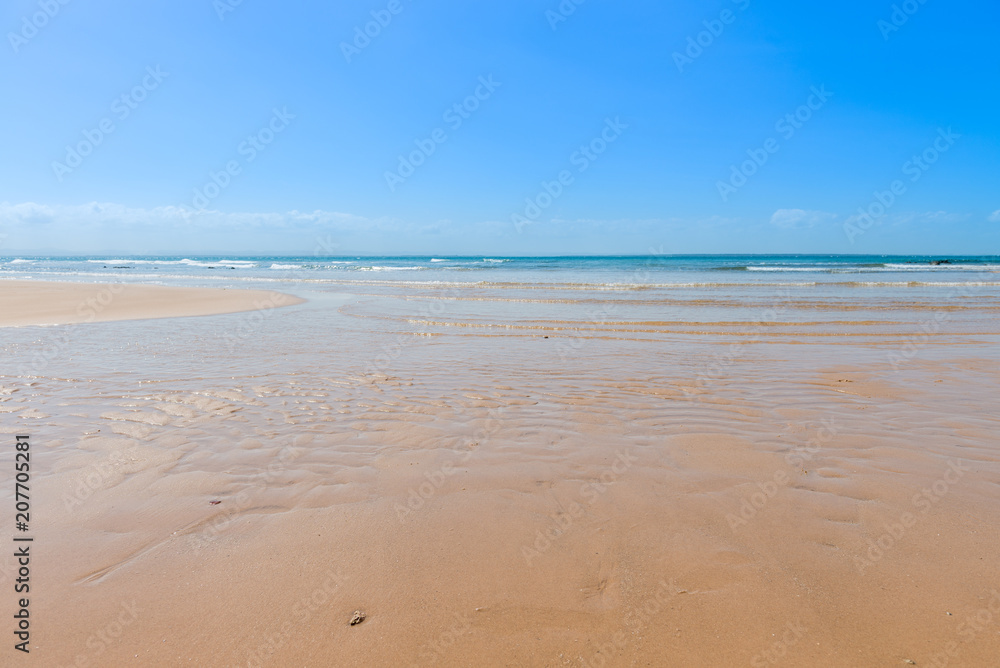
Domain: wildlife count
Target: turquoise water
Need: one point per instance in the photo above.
(612, 271)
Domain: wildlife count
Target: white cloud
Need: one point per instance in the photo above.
(105, 227)
(995, 216)
(96, 227)
(96, 214)
(793, 219)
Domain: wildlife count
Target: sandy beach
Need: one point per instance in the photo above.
(50, 303)
(498, 476)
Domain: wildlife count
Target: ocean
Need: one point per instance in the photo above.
(615, 271)
(633, 297)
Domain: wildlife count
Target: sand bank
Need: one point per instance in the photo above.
(43, 303)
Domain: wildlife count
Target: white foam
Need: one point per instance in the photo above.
(226, 263)
(818, 269)
(381, 268)
(942, 267)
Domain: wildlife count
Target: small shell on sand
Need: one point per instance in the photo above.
(357, 618)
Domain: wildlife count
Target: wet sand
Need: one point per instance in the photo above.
(24, 303)
(494, 486)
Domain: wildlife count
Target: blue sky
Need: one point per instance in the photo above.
(647, 112)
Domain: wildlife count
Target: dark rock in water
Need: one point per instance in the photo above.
(122, 267)
(937, 262)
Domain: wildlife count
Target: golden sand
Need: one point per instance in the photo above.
(50, 303)
(510, 500)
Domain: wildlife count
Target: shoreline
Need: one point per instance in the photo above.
(28, 303)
